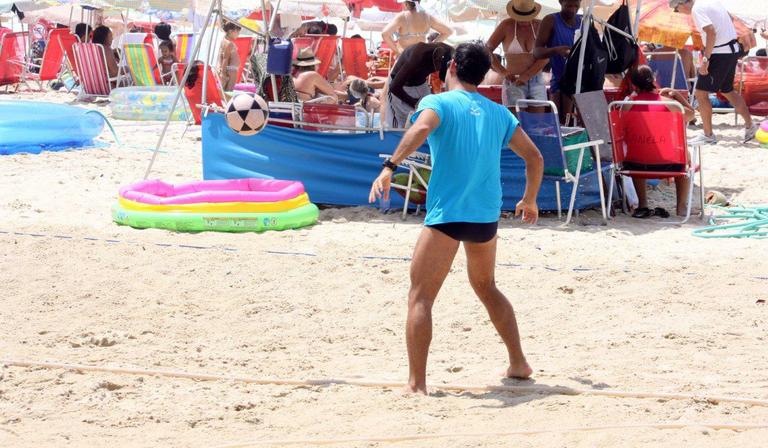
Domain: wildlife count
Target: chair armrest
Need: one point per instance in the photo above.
(583, 145)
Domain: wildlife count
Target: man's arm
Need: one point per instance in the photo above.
(324, 87)
(522, 145)
(416, 135)
(709, 47)
(540, 50)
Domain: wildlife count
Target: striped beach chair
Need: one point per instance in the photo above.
(185, 43)
(142, 64)
(91, 68)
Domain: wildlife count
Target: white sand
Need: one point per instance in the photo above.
(657, 310)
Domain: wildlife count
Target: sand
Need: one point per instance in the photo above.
(631, 306)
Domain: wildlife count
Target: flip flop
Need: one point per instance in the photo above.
(643, 213)
(660, 212)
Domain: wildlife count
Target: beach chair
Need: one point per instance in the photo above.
(214, 92)
(325, 48)
(543, 127)
(669, 70)
(416, 164)
(66, 41)
(753, 83)
(354, 57)
(91, 63)
(13, 52)
(142, 64)
(493, 93)
(343, 115)
(652, 144)
(52, 63)
(244, 47)
(185, 43)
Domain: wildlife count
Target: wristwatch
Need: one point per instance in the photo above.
(389, 164)
(705, 59)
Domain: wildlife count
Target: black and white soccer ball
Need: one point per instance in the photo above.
(247, 114)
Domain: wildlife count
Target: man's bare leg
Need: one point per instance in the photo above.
(738, 103)
(431, 263)
(481, 266)
(705, 109)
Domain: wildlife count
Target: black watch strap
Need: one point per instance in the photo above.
(389, 164)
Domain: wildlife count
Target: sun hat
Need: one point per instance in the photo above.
(523, 10)
(306, 58)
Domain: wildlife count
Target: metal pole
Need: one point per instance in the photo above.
(274, 16)
(585, 21)
(214, 32)
(198, 43)
(636, 30)
(268, 36)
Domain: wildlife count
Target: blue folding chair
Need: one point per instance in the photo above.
(544, 130)
(669, 70)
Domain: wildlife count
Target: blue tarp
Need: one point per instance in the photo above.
(338, 169)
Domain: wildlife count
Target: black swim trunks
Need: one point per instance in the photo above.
(722, 71)
(469, 232)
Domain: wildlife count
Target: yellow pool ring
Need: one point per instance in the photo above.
(218, 207)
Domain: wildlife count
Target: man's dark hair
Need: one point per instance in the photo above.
(762, 53)
(100, 35)
(473, 60)
(332, 30)
(163, 31)
(82, 30)
(642, 78)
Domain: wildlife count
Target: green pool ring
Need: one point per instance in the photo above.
(303, 216)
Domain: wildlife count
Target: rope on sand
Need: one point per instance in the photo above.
(526, 390)
(411, 437)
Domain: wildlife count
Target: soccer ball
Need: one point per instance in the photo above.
(247, 114)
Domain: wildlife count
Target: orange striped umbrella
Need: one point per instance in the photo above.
(661, 25)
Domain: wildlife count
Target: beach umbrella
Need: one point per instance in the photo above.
(661, 25)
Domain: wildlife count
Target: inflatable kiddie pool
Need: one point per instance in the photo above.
(238, 205)
(147, 103)
(32, 127)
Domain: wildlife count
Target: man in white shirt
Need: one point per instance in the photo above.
(718, 68)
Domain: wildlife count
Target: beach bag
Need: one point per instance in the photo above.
(621, 49)
(595, 63)
(279, 57)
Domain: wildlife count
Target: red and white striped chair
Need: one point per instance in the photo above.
(91, 62)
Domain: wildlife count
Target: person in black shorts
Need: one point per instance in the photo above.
(718, 68)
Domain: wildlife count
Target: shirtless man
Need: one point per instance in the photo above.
(309, 83)
(413, 26)
(522, 75)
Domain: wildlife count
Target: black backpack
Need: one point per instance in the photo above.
(595, 62)
(622, 51)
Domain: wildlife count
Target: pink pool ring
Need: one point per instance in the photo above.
(245, 87)
(157, 192)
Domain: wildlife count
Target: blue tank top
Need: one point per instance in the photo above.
(562, 35)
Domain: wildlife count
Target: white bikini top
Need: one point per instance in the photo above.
(515, 47)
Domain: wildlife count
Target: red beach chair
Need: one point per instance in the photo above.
(343, 115)
(13, 51)
(214, 93)
(244, 50)
(651, 143)
(354, 57)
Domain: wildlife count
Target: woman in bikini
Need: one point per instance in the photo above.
(229, 61)
(523, 78)
(412, 26)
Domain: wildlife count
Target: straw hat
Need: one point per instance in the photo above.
(523, 10)
(306, 58)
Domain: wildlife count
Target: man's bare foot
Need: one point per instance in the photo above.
(409, 389)
(520, 370)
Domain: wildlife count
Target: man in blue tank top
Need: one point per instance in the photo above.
(554, 42)
(466, 133)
